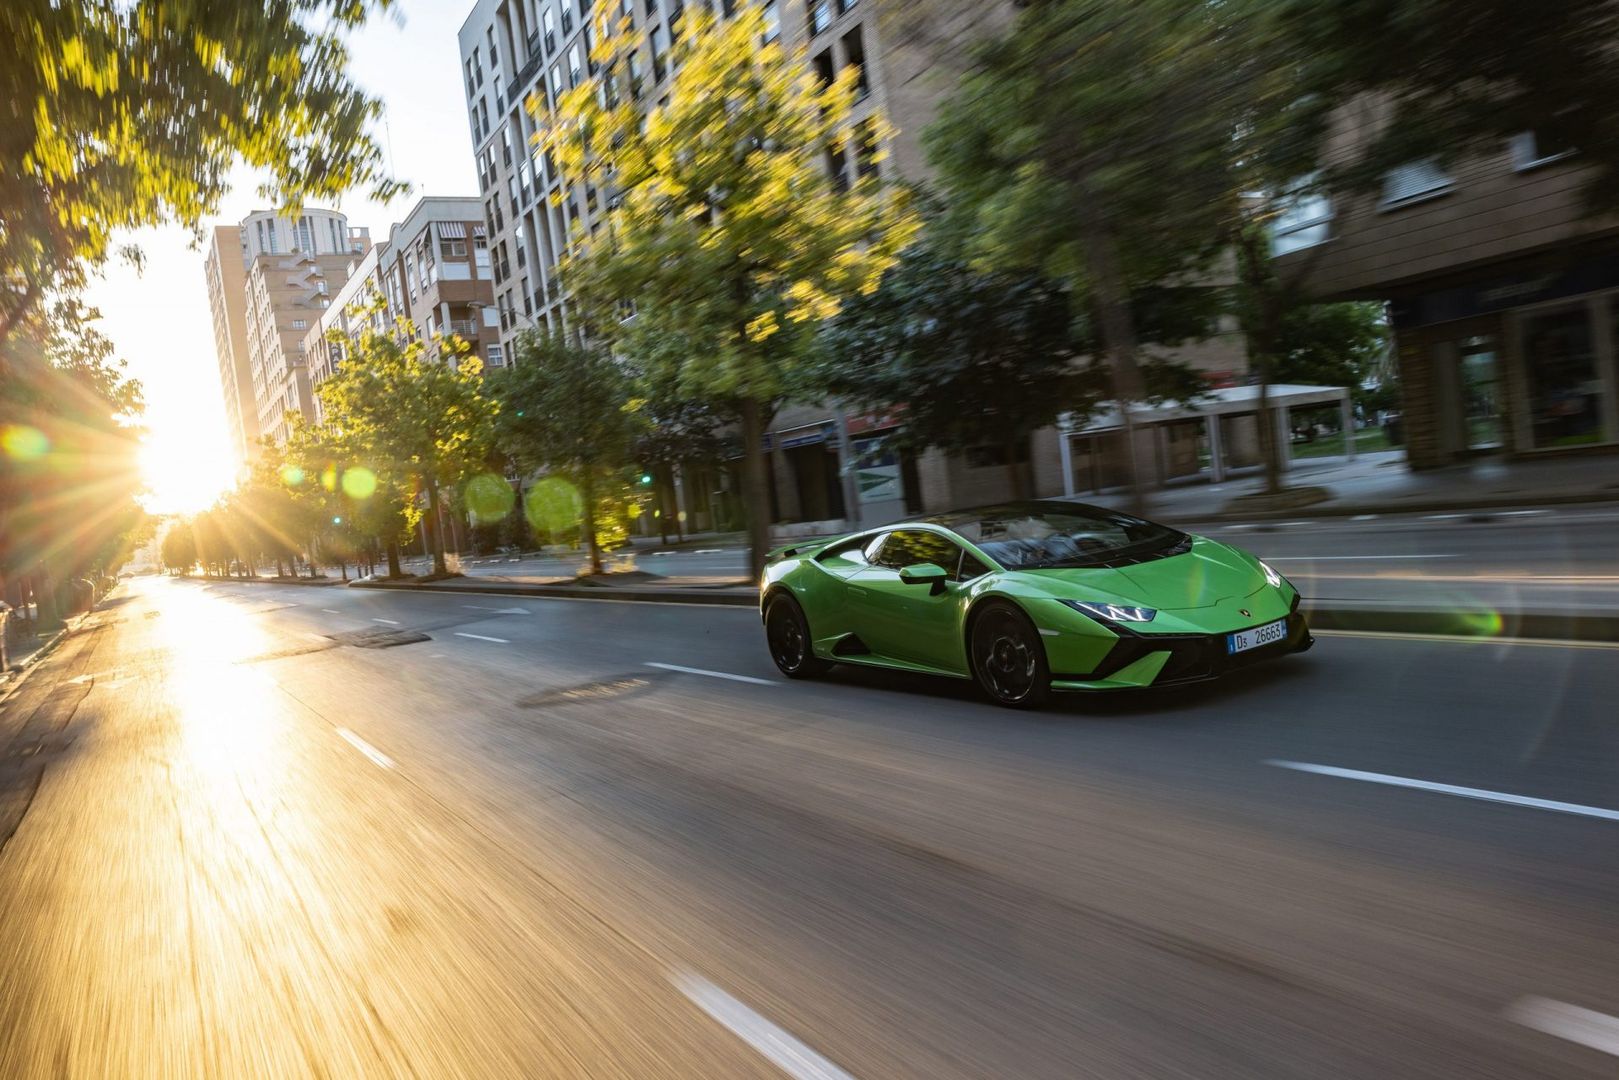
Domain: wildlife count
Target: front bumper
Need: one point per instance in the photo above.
(1139, 660)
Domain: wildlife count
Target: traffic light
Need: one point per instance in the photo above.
(646, 479)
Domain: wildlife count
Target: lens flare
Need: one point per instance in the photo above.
(328, 478)
(553, 505)
(489, 497)
(23, 443)
(359, 482)
(292, 475)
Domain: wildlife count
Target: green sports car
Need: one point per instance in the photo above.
(1027, 598)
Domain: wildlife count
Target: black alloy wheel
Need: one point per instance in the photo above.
(1009, 659)
(788, 634)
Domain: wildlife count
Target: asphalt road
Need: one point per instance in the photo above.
(1551, 559)
(596, 838)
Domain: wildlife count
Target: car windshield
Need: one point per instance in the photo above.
(1034, 536)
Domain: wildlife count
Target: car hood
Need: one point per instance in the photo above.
(1202, 577)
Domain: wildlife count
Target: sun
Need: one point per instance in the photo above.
(183, 477)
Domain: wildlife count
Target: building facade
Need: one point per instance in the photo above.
(225, 269)
(433, 270)
(1503, 294)
(270, 278)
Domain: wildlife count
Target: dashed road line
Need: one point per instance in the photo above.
(331, 611)
(377, 756)
(713, 674)
(784, 1051)
(390, 622)
(481, 637)
(1587, 1027)
(1450, 789)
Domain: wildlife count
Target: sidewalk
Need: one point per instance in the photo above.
(1380, 483)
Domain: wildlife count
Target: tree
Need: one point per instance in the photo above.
(723, 227)
(179, 551)
(1094, 142)
(567, 408)
(973, 357)
(1332, 344)
(131, 114)
(409, 419)
(1456, 78)
(69, 444)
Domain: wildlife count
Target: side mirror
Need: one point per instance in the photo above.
(924, 573)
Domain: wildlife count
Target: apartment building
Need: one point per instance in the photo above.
(270, 277)
(1503, 292)
(434, 270)
(225, 270)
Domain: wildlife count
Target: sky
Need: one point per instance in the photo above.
(159, 319)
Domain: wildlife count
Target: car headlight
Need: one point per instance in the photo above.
(1272, 576)
(1112, 612)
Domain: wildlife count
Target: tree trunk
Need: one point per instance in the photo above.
(1262, 327)
(393, 559)
(755, 487)
(662, 489)
(1118, 332)
(587, 496)
(436, 534)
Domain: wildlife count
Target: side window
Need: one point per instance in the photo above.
(850, 552)
(907, 547)
(970, 568)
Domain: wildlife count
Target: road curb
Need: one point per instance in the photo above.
(578, 592)
(1549, 625)
(1482, 506)
(1484, 624)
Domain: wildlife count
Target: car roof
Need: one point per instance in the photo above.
(952, 519)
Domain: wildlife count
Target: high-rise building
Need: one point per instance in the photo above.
(226, 271)
(270, 277)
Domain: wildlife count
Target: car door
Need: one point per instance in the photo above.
(913, 623)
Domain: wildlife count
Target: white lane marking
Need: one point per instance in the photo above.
(513, 611)
(713, 674)
(1364, 517)
(1465, 639)
(435, 656)
(660, 553)
(1450, 789)
(480, 637)
(1522, 513)
(709, 551)
(390, 622)
(1442, 517)
(377, 756)
(480, 607)
(1587, 1027)
(1350, 558)
(784, 1051)
(331, 611)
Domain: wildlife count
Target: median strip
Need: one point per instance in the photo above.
(1449, 789)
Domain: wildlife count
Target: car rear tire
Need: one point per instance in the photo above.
(1008, 657)
(788, 634)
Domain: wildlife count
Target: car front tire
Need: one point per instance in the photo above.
(1008, 657)
(788, 634)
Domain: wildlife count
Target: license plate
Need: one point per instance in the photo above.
(1269, 634)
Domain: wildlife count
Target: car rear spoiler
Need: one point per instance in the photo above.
(803, 547)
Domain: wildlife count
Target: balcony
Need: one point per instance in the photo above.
(466, 328)
(525, 74)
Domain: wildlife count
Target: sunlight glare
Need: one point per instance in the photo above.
(182, 477)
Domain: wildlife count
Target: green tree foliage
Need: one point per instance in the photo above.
(724, 229)
(1455, 78)
(179, 550)
(120, 115)
(1094, 142)
(973, 357)
(69, 446)
(1332, 344)
(568, 408)
(411, 420)
(678, 431)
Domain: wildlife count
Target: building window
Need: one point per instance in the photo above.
(1530, 150)
(1303, 219)
(854, 54)
(824, 70)
(567, 17)
(837, 168)
(820, 15)
(1414, 182)
(574, 65)
(865, 151)
(1565, 386)
(772, 22)
(300, 324)
(453, 249)
(496, 357)
(548, 26)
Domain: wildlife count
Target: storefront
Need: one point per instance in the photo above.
(1520, 363)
